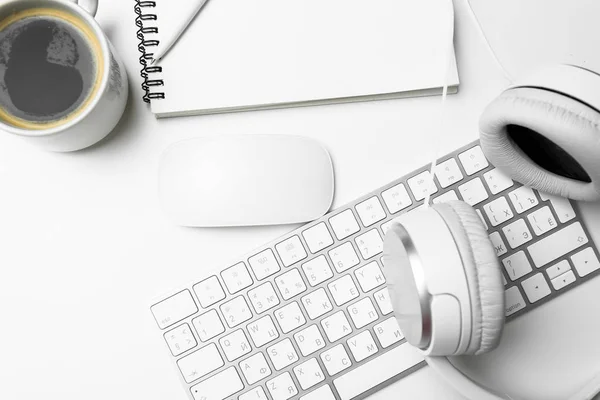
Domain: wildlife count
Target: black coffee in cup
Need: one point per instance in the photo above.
(50, 68)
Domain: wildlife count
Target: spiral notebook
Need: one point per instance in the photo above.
(240, 55)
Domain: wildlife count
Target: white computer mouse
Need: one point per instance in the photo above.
(246, 180)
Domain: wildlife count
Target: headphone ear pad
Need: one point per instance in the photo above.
(482, 270)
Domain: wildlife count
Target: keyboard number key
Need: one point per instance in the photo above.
(370, 211)
(497, 181)
(517, 233)
(180, 339)
(343, 257)
(236, 311)
(208, 325)
(309, 374)
(317, 270)
(542, 221)
(421, 184)
(536, 287)
(369, 244)
(585, 262)
(264, 264)
(448, 173)
(209, 291)
(290, 284)
(236, 278)
(317, 238)
(172, 310)
(344, 224)
(263, 298)
(291, 251)
(396, 198)
(473, 160)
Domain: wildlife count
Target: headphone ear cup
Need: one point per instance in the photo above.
(562, 131)
(482, 270)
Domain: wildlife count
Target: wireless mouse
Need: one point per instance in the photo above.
(245, 180)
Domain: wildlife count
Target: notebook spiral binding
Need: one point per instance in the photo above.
(143, 15)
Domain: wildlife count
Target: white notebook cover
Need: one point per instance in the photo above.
(256, 54)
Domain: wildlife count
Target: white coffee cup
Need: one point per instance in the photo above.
(102, 111)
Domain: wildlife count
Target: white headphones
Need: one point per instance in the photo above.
(446, 283)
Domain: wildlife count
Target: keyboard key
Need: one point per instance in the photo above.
(317, 270)
(257, 393)
(255, 368)
(383, 301)
(264, 264)
(236, 311)
(388, 332)
(291, 251)
(370, 211)
(497, 181)
(172, 310)
(282, 354)
(208, 325)
(218, 387)
(336, 326)
(290, 284)
(563, 208)
(523, 199)
(309, 340)
(369, 244)
(536, 288)
(362, 346)
(446, 197)
(290, 317)
(343, 290)
(448, 173)
(377, 371)
(317, 303)
(585, 262)
(362, 313)
(557, 244)
(262, 331)
(317, 238)
(236, 278)
(498, 211)
(504, 281)
(517, 234)
(282, 387)
(344, 224)
(564, 280)
(542, 221)
(498, 243)
(209, 292)
(517, 265)
(513, 301)
(322, 393)
(344, 257)
(235, 345)
(370, 276)
(396, 198)
(200, 363)
(309, 373)
(473, 160)
(421, 184)
(482, 219)
(336, 359)
(180, 339)
(473, 192)
(558, 269)
(263, 298)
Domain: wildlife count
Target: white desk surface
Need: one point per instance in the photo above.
(84, 245)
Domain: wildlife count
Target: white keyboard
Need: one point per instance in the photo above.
(308, 316)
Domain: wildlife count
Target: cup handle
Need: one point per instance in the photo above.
(91, 6)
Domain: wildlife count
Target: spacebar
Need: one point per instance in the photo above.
(377, 371)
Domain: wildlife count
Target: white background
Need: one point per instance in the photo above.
(84, 246)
